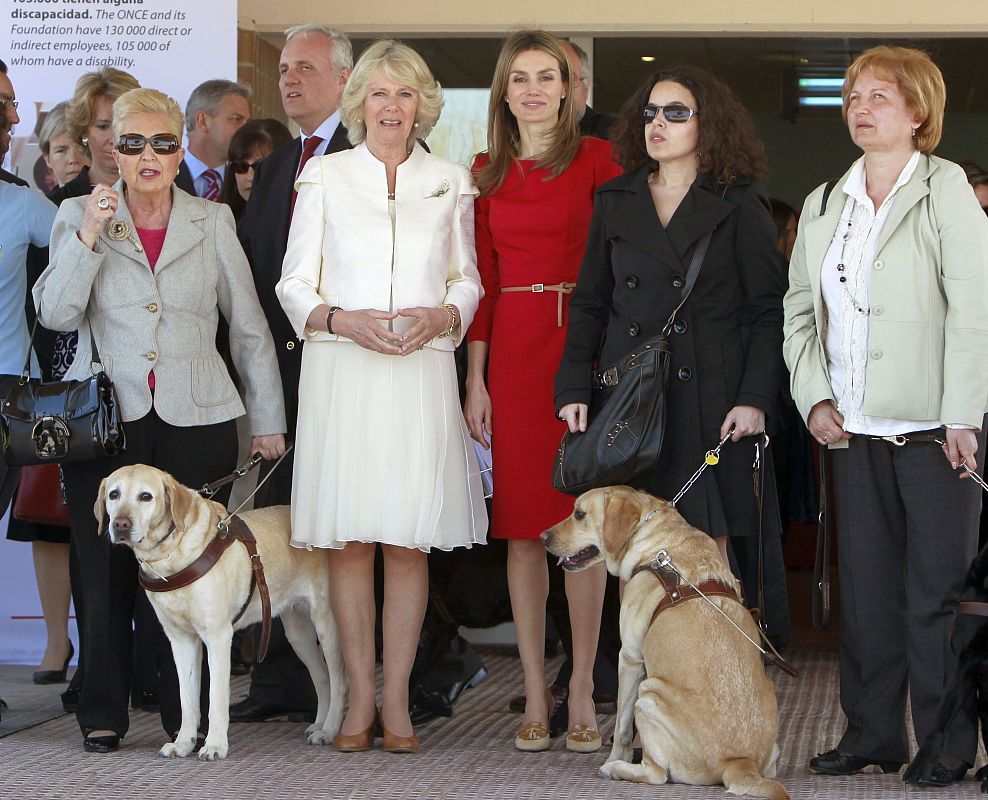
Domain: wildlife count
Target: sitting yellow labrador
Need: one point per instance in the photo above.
(168, 526)
(706, 711)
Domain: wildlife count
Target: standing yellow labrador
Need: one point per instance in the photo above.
(168, 525)
(706, 711)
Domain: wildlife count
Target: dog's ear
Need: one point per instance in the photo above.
(179, 501)
(622, 510)
(99, 508)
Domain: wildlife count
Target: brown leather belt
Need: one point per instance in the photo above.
(972, 607)
(560, 288)
(676, 594)
(235, 531)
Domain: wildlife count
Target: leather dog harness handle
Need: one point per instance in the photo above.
(237, 531)
(676, 594)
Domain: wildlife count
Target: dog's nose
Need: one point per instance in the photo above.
(545, 537)
(122, 527)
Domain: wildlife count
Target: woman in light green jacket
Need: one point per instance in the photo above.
(886, 336)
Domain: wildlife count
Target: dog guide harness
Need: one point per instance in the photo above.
(228, 531)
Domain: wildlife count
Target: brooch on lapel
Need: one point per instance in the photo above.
(118, 230)
(443, 188)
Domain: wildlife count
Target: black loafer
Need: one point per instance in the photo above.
(939, 775)
(100, 744)
(70, 699)
(835, 762)
(249, 710)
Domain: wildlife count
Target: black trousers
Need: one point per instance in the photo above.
(907, 529)
(194, 455)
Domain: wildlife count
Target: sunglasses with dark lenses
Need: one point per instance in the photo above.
(241, 167)
(133, 144)
(674, 112)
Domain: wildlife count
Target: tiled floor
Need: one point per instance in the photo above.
(468, 756)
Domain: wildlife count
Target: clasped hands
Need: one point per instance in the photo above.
(364, 327)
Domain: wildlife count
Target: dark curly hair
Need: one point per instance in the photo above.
(728, 145)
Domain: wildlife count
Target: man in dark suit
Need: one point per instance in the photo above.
(592, 123)
(214, 112)
(315, 64)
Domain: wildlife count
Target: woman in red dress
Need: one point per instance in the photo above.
(537, 184)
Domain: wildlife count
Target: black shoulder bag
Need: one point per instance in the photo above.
(61, 422)
(627, 411)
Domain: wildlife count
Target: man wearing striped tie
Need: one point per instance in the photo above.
(216, 109)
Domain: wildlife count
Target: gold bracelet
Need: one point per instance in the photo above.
(453, 320)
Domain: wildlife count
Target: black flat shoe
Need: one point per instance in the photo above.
(70, 699)
(46, 676)
(100, 744)
(249, 710)
(939, 775)
(834, 762)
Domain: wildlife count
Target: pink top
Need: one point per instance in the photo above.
(152, 240)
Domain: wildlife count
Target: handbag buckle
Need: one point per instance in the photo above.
(538, 287)
(609, 377)
(51, 437)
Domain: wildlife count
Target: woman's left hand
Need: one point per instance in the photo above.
(270, 447)
(962, 444)
(746, 421)
(429, 323)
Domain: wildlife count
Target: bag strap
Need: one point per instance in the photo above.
(94, 356)
(821, 562)
(827, 189)
(698, 255)
(759, 487)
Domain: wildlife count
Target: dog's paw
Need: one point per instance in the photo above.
(213, 751)
(611, 770)
(178, 748)
(319, 737)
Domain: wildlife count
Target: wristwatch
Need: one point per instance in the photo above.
(329, 318)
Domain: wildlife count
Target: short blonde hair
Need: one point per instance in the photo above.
(919, 80)
(147, 101)
(400, 63)
(108, 83)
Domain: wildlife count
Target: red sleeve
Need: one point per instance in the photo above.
(483, 320)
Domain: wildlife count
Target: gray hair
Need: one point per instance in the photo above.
(583, 56)
(400, 63)
(342, 49)
(207, 97)
(55, 124)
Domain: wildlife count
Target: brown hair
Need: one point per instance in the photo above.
(266, 135)
(92, 87)
(919, 80)
(502, 127)
(728, 145)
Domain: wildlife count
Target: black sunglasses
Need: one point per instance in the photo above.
(133, 144)
(674, 112)
(241, 167)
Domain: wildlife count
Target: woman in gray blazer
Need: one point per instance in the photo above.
(147, 270)
(886, 332)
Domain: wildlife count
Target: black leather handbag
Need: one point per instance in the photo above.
(63, 421)
(627, 412)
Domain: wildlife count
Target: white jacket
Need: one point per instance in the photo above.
(342, 251)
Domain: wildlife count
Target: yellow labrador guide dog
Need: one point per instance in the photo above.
(168, 526)
(706, 710)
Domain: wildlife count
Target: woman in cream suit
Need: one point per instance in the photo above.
(886, 337)
(148, 269)
(380, 282)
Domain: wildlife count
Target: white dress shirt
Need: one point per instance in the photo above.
(326, 130)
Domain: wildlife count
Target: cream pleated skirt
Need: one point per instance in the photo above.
(382, 452)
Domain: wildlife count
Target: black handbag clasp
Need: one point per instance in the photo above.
(609, 377)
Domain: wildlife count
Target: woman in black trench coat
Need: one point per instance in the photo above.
(691, 160)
